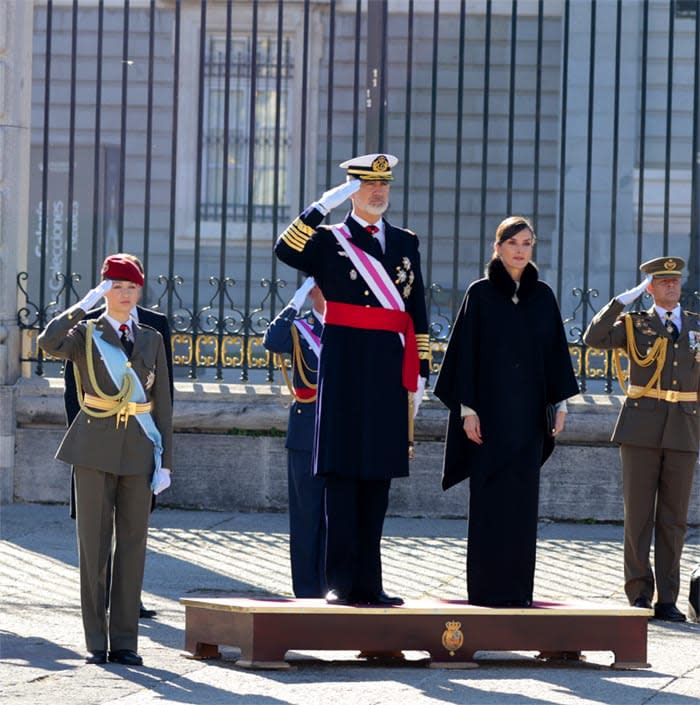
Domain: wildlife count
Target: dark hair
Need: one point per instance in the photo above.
(512, 226)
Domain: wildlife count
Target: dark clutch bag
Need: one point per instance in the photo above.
(550, 416)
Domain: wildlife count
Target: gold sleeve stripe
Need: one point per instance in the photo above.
(297, 235)
(423, 341)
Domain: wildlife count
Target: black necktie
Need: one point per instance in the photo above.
(671, 326)
(126, 341)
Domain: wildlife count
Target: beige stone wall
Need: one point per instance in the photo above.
(15, 86)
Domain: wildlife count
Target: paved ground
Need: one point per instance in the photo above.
(42, 647)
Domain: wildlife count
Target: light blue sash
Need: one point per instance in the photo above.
(115, 361)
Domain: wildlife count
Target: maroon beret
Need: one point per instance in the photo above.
(122, 269)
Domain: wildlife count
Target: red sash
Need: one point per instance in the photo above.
(304, 393)
(371, 318)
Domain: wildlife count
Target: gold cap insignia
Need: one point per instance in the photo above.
(380, 164)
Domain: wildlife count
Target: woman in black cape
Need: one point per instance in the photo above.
(506, 360)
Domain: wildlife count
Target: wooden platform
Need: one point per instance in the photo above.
(451, 631)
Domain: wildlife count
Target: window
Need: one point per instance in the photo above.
(270, 76)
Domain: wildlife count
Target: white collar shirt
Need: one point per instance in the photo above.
(116, 324)
(379, 235)
(675, 315)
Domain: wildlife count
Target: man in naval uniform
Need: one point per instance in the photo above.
(120, 445)
(374, 355)
(300, 338)
(658, 428)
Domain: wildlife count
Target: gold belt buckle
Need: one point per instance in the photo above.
(672, 396)
(123, 415)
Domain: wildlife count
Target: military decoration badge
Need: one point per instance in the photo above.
(694, 342)
(150, 379)
(405, 277)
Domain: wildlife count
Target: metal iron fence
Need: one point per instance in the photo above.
(190, 134)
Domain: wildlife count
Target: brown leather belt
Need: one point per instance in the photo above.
(672, 396)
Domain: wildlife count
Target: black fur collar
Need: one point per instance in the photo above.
(497, 274)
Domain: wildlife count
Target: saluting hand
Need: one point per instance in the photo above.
(627, 297)
(472, 427)
(334, 197)
(91, 299)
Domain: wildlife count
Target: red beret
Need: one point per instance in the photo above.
(123, 269)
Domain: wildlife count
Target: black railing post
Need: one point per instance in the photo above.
(375, 97)
(693, 283)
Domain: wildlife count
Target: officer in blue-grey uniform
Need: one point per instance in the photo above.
(658, 428)
(301, 339)
(374, 359)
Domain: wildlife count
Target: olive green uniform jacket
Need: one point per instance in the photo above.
(97, 442)
(645, 421)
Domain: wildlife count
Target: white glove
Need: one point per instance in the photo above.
(418, 395)
(301, 293)
(89, 301)
(160, 481)
(334, 197)
(627, 297)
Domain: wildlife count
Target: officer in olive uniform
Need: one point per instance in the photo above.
(374, 356)
(658, 428)
(120, 445)
(70, 395)
(301, 339)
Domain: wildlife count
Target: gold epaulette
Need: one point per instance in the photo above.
(297, 235)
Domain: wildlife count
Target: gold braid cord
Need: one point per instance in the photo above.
(657, 355)
(298, 362)
(121, 397)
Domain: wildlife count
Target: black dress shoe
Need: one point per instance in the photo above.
(337, 598)
(96, 657)
(384, 599)
(126, 657)
(146, 614)
(643, 602)
(668, 612)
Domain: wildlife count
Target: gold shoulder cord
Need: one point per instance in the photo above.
(656, 354)
(300, 363)
(121, 397)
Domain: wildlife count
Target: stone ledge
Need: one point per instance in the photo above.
(205, 407)
(230, 455)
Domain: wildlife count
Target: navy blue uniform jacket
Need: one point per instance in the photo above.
(278, 338)
(362, 407)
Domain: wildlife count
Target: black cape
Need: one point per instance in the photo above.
(506, 361)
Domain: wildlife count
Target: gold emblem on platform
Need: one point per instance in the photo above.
(452, 637)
